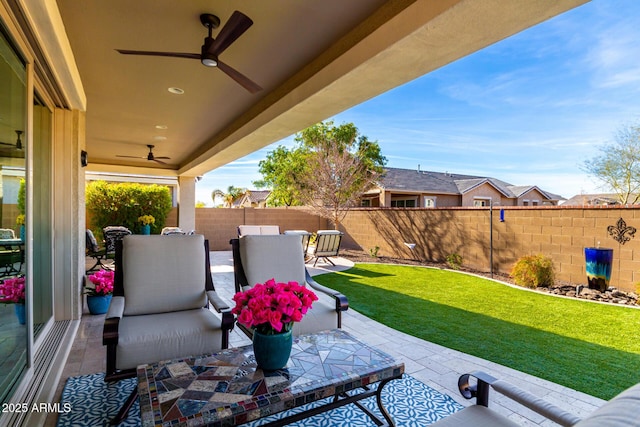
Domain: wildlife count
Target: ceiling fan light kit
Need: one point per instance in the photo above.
(237, 24)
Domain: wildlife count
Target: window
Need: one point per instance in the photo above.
(403, 203)
(481, 202)
(365, 203)
(429, 202)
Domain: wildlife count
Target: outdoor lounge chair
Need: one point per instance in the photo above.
(93, 250)
(257, 259)
(169, 231)
(327, 245)
(621, 411)
(160, 306)
(306, 238)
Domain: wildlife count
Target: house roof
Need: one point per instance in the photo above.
(395, 179)
(593, 199)
(252, 196)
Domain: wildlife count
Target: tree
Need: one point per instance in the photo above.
(278, 171)
(232, 194)
(330, 169)
(618, 165)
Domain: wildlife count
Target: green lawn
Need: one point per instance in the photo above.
(594, 348)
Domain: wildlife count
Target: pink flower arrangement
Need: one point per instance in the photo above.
(12, 291)
(103, 283)
(271, 308)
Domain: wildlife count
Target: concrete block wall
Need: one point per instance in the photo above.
(221, 225)
(560, 233)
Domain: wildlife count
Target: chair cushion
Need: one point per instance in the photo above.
(328, 243)
(156, 337)
(322, 316)
(621, 411)
(272, 256)
(162, 274)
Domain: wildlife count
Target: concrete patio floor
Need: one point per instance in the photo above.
(436, 366)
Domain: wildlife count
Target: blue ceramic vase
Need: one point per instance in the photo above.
(598, 266)
(20, 313)
(272, 351)
(98, 304)
(145, 229)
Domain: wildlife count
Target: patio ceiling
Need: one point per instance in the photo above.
(313, 59)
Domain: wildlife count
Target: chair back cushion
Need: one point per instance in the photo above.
(244, 230)
(7, 233)
(111, 234)
(272, 256)
(621, 411)
(91, 243)
(163, 274)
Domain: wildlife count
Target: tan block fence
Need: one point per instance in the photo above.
(561, 233)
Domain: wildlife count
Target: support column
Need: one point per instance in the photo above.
(187, 203)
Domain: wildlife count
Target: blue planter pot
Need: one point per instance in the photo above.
(22, 233)
(145, 229)
(20, 313)
(598, 266)
(98, 304)
(272, 351)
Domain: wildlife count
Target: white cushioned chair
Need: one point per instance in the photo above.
(258, 258)
(244, 230)
(621, 411)
(160, 306)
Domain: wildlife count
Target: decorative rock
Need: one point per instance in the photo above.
(611, 295)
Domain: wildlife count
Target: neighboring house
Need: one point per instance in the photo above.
(253, 199)
(605, 199)
(412, 188)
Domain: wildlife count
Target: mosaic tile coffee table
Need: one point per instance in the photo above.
(227, 388)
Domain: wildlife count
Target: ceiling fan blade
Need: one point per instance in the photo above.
(170, 54)
(161, 157)
(155, 159)
(6, 143)
(130, 157)
(237, 24)
(243, 80)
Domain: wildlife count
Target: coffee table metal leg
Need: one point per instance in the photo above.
(385, 414)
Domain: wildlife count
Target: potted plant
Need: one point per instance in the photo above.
(20, 224)
(12, 291)
(270, 309)
(99, 295)
(146, 221)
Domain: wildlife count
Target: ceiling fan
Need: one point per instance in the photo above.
(237, 24)
(18, 144)
(149, 156)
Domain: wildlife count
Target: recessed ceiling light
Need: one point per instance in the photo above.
(176, 90)
(163, 127)
(159, 138)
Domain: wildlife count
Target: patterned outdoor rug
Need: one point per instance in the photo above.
(409, 402)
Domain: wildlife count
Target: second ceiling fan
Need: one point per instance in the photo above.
(237, 24)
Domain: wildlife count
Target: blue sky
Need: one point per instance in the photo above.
(528, 110)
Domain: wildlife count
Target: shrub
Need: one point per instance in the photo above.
(124, 203)
(373, 252)
(532, 271)
(454, 261)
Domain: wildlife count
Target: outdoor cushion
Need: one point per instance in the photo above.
(145, 339)
(621, 411)
(151, 285)
(276, 257)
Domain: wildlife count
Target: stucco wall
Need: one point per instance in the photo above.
(561, 233)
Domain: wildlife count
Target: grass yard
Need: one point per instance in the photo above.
(594, 348)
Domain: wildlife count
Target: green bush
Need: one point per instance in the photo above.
(124, 203)
(532, 271)
(454, 261)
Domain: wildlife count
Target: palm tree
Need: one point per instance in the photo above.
(231, 195)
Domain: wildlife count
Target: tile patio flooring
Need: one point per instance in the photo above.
(434, 365)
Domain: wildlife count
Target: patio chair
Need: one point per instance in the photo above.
(620, 411)
(327, 245)
(244, 230)
(93, 250)
(112, 234)
(168, 231)
(257, 259)
(160, 306)
(7, 234)
(306, 238)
